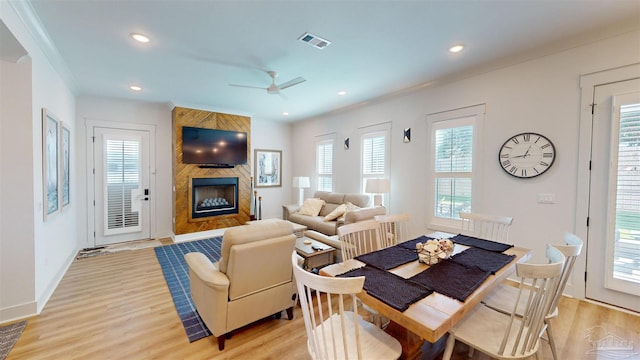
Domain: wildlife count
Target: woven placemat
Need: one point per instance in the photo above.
(388, 258)
(411, 244)
(485, 260)
(481, 243)
(389, 288)
(452, 279)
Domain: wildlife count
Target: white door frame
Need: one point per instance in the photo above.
(587, 84)
(91, 124)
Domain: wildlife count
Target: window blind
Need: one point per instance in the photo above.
(122, 176)
(325, 165)
(627, 224)
(453, 151)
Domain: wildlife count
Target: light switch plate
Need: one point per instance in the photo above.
(546, 198)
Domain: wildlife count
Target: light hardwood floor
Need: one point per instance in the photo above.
(118, 306)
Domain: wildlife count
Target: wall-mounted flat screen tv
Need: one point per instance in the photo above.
(213, 146)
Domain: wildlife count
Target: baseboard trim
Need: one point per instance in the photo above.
(18, 312)
(43, 299)
(197, 235)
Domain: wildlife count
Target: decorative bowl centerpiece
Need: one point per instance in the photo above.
(434, 250)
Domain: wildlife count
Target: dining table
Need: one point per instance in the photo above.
(427, 317)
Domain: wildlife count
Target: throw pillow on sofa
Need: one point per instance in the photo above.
(311, 207)
(339, 211)
(348, 207)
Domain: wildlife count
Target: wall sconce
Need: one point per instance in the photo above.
(346, 143)
(407, 135)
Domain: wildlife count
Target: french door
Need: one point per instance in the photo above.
(613, 250)
(121, 185)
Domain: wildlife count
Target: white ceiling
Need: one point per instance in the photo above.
(198, 48)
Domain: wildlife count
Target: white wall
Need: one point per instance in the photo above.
(264, 135)
(130, 112)
(272, 135)
(541, 95)
(43, 251)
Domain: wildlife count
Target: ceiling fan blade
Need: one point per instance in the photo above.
(291, 83)
(248, 86)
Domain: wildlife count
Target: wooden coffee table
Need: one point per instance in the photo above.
(314, 258)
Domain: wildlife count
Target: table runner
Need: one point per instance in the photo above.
(388, 258)
(452, 279)
(485, 260)
(480, 243)
(389, 288)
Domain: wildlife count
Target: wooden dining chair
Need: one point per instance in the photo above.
(332, 331)
(394, 229)
(359, 238)
(502, 297)
(485, 226)
(511, 336)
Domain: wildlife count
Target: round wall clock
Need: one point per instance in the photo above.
(527, 155)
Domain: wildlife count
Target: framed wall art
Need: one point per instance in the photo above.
(267, 168)
(65, 153)
(50, 159)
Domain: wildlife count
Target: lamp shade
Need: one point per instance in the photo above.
(301, 182)
(377, 186)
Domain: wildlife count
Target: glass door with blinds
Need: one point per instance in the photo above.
(613, 256)
(121, 185)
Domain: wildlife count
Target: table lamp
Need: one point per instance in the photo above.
(301, 182)
(377, 187)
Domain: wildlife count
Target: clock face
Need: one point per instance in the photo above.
(527, 155)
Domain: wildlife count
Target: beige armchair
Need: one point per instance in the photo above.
(252, 280)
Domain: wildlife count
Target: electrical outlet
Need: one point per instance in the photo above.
(546, 198)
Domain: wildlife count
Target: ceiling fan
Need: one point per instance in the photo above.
(274, 88)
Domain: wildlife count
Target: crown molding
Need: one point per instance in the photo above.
(40, 36)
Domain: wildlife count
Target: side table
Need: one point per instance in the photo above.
(315, 259)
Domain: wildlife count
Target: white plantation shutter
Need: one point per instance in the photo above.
(626, 265)
(374, 142)
(454, 168)
(122, 183)
(373, 154)
(324, 156)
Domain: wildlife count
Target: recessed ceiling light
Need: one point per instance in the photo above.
(140, 38)
(285, 113)
(135, 88)
(456, 48)
(342, 93)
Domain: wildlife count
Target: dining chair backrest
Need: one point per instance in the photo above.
(359, 238)
(485, 226)
(332, 331)
(571, 250)
(394, 229)
(537, 282)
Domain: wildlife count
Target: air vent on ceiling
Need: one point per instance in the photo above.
(315, 41)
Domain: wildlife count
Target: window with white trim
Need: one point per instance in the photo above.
(374, 154)
(324, 164)
(454, 166)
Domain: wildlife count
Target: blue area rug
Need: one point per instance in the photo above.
(176, 273)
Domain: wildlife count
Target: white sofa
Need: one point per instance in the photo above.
(332, 201)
